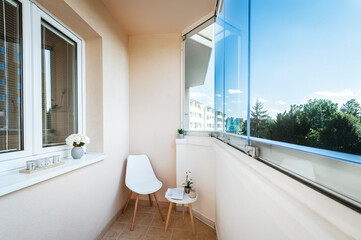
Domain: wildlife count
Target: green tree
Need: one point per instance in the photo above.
(260, 121)
(351, 107)
(291, 126)
(342, 133)
(318, 112)
(318, 123)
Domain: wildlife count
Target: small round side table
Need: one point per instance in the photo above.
(186, 200)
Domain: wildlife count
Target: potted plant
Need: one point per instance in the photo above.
(181, 133)
(188, 182)
(77, 141)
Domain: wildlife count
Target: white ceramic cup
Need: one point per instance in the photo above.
(56, 159)
(40, 162)
(49, 161)
(31, 165)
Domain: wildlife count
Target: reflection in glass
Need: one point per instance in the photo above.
(305, 73)
(236, 66)
(199, 81)
(11, 80)
(59, 86)
(219, 35)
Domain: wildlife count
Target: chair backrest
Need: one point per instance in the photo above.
(139, 170)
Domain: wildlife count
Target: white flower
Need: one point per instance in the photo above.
(77, 140)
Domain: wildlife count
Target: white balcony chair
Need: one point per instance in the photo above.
(140, 179)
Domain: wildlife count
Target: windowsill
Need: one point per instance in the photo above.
(14, 180)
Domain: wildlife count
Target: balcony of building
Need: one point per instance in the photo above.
(268, 94)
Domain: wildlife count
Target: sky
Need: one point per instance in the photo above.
(300, 50)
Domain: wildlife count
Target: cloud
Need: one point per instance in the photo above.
(197, 95)
(344, 93)
(218, 95)
(262, 100)
(280, 102)
(234, 91)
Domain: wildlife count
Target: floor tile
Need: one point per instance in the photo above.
(143, 218)
(139, 232)
(206, 236)
(156, 233)
(203, 228)
(146, 208)
(158, 222)
(125, 217)
(149, 225)
(182, 235)
(184, 224)
(114, 231)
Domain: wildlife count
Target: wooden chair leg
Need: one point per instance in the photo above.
(126, 204)
(183, 211)
(191, 215)
(135, 211)
(168, 216)
(160, 211)
(150, 200)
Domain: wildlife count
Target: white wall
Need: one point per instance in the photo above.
(197, 155)
(254, 201)
(154, 73)
(78, 205)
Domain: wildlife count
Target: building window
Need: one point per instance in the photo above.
(41, 84)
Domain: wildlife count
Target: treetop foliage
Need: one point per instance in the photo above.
(318, 123)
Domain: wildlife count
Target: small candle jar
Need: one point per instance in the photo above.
(31, 165)
(192, 193)
(41, 162)
(49, 161)
(56, 159)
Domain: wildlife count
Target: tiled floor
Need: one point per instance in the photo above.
(149, 225)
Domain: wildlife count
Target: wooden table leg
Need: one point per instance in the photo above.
(135, 211)
(183, 211)
(150, 200)
(168, 216)
(191, 215)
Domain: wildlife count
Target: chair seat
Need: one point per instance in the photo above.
(140, 177)
(142, 187)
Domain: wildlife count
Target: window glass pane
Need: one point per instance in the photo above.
(236, 66)
(219, 35)
(59, 86)
(11, 81)
(305, 89)
(199, 81)
(306, 74)
(305, 93)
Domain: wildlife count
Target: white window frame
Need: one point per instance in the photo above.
(32, 14)
(37, 16)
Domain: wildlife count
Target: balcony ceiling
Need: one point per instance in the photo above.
(158, 16)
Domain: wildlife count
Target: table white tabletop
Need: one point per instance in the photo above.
(186, 199)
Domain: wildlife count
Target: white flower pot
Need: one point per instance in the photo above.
(77, 152)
